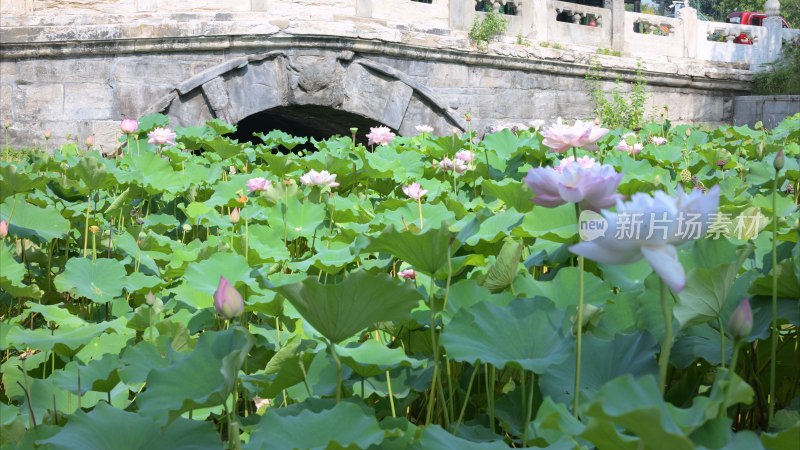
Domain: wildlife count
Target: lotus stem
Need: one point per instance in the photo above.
(338, 363)
(246, 237)
(86, 229)
(579, 317)
(774, 348)
(490, 394)
(419, 205)
(466, 398)
(432, 397)
(528, 409)
(666, 346)
(721, 342)
(389, 387)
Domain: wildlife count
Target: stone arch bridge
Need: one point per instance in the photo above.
(77, 66)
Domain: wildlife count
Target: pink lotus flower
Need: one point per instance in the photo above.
(408, 274)
(561, 137)
(651, 227)
(658, 140)
(465, 156)
(380, 136)
(741, 322)
(322, 179)
(258, 184)
(414, 191)
(424, 129)
(129, 126)
(3, 229)
(630, 149)
(161, 136)
(585, 162)
(227, 300)
(592, 186)
(449, 165)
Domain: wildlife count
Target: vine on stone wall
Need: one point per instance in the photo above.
(618, 108)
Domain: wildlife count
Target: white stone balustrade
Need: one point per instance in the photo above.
(441, 22)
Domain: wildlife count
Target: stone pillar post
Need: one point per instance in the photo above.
(461, 14)
(688, 17)
(538, 13)
(773, 24)
(617, 25)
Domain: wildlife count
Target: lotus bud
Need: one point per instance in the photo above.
(227, 300)
(597, 121)
(779, 160)
(741, 321)
(48, 133)
(150, 298)
(468, 117)
(590, 313)
(129, 126)
(3, 229)
(6, 124)
(408, 274)
(234, 217)
(90, 141)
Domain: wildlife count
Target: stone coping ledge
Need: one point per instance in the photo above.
(573, 61)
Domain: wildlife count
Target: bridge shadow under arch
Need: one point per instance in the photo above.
(313, 121)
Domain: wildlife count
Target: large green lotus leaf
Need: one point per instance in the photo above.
(602, 361)
(203, 378)
(554, 422)
(700, 342)
(502, 272)
(107, 427)
(224, 147)
(435, 437)
(708, 291)
(98, 375)
(12, 274)
(557, 224)
(152, 173)
(137, 362)
(500, 147)
(201, 279)
(467, 292)
(563, 290)
(277, 137)
(425, 252)
(299, 218)
(346, 425)
(149, 122)
(338, 311)
(407, 215)
(92, 172)
(637, 406)
(284, 369)
(29, 220)
(386, 162)
(64, 340)
(372, 358)
(526, 333)
(496, 227)
(100, 281)
(13, 182)
(515, 194)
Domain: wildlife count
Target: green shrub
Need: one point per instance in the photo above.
(618, 109)
(483, 31)
(782, 76)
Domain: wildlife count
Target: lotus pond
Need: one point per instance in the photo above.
(191, 291)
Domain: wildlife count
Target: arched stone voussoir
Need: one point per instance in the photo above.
(247, 85)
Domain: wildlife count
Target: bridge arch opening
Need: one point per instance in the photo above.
(319, 122)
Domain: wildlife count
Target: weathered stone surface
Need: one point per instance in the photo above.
(88, 101)
(258, 87)
(38, 102)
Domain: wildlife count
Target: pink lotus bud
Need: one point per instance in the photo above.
(129, 126)
(741, 321)
(48, 133)
(408, 274)
(150, 298)
(3, 229)
(234, 217)
(227, 300)
(90, 141)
